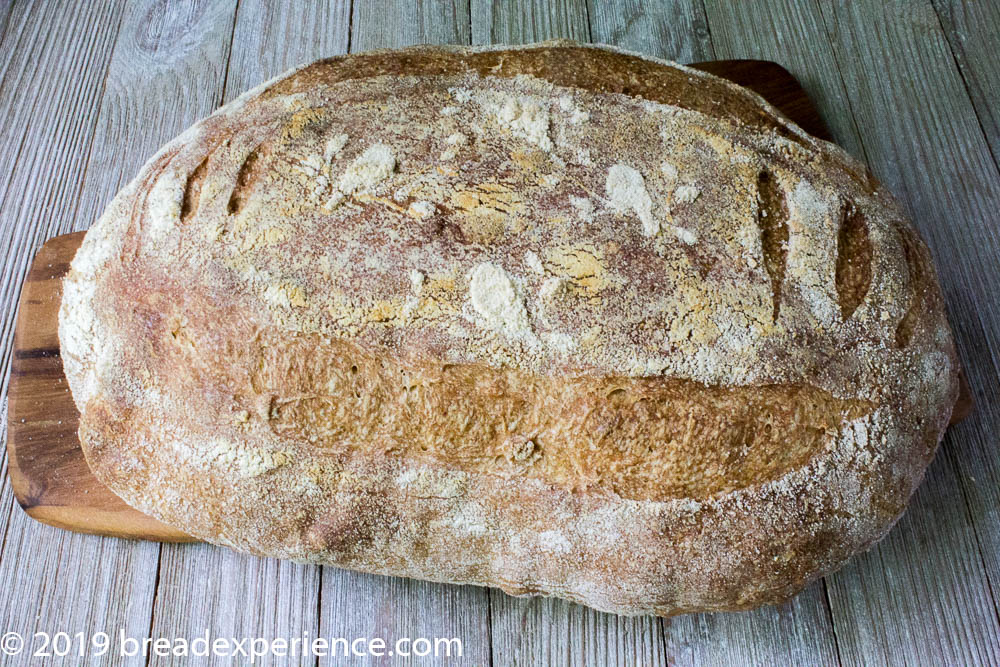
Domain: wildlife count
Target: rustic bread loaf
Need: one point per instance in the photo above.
(559, 319)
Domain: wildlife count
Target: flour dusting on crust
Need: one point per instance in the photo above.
(654, 352)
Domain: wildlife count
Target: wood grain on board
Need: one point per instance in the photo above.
(527, 21)
(675, 29)
(396, 23)
(972, 27)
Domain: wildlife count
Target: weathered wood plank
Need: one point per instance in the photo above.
(50, 89)
(234, 595)
(919, 597)
(5, 8)
(673, 29)
(795, 35)
(397, 23)
(7, 502)
(546, 631)
(204, 586)
(270, 38)
(371, 606)
(56, 581)
(511, 22)
(922, 137)
(55, 60)
(798, 632)
(972, 27)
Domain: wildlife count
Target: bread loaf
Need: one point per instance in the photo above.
(560, 320)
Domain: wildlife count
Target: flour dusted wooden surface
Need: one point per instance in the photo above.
(89, 90)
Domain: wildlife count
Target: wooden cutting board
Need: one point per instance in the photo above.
(49, 475)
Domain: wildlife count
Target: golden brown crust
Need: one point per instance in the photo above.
(557, 319)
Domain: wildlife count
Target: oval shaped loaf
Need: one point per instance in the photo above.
(559, 319)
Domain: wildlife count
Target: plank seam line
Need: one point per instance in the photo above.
(708, 31)
(882, 631)
(319, 608)
(229, 55)
(10, 515)
(4, 470)
(663, 624)
(156, 595)
(6, 20)
(833, 625)
(350, 25)
(883, 640)
(471, 40)
(47, 581)
(468, 40)
(990, 586)
(965, 84)
(489, 609)
(590, 26)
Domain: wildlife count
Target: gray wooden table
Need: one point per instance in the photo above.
(89, 90)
